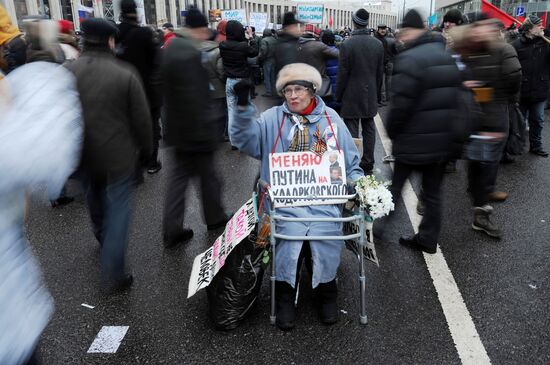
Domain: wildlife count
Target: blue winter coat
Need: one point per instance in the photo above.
(256, 137)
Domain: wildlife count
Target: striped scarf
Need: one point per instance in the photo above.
(300, 140)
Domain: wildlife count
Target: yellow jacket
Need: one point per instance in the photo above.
(7, 30)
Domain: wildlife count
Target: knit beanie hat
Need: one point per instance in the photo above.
(412, 20)
(453, 16)
(290, 19)
(195, 19)
(328, 37)
(531, 21)
(168, 26)
(361, 17)
(298, 74)
(128, 7)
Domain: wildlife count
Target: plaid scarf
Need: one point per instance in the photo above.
(300, 140)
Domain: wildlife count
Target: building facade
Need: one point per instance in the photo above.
(158, 12)
(513, 7)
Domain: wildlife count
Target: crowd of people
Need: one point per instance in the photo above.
(114, 92)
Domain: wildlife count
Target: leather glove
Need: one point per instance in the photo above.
(242, 90)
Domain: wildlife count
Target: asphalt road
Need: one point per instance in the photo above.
(505, 285)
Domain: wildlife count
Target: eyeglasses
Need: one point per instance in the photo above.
(298, 90)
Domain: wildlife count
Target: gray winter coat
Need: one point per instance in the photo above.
(360, 75)
(315, 53)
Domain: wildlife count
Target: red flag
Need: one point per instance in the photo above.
(521, 19)
(330, 21)
(543, 18)
(494, 12)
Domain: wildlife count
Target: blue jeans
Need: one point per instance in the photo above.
(269, 76)
(109, 205)
(534, 113)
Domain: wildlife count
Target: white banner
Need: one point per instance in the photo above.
(207, 264)
(310, 13)
(307, 174)
(369, 250)
(236, 14)
(258, 21)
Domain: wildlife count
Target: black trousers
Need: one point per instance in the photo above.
(482, 179)
(432, 178)
(184, 166)
(368, 133)
(155, 120)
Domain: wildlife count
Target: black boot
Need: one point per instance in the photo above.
(327, 294)
(285, 295)
(482, 222)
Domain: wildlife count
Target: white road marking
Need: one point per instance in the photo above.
(87, 306)
(108, 340)
(463, 331)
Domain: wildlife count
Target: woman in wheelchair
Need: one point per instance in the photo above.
(302, 123)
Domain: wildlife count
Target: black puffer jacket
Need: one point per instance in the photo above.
(236, 50)
(534, 56)
(189, 118)
(424, 95)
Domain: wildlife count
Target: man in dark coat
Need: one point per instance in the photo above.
(389, 55)
(424, 93)
(359, 79)
(117, 132)
(287, 43)
(534, 56)
(136, 45)
(266, 58)
(190, 131)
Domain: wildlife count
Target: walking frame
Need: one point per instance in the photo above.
(358, 217)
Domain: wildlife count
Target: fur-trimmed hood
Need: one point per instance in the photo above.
(298, 72)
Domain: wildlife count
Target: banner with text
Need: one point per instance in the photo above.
(307, 174)
(258, 21)
(237, 14)
(207, 264)
(369, 250)
(310, 13)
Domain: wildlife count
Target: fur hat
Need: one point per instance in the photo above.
(453, 16)
(300, 73)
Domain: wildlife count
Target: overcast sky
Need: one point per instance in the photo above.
(423, 5)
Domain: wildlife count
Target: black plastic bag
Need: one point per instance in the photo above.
(236, 286)
(517, 137)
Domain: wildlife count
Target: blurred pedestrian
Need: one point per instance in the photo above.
(235, 52)
(12, 43)
(67, 40)
(221, 29)
(316, 54)
(424, 94)
(168, 33)
(359, 79)
(495, 76)
(328, 38)
(190, 127)
(117, 138)
(136, 45)
(266, 57)
(534, 55)
(287, 42)
(389, 55)
(40, 141)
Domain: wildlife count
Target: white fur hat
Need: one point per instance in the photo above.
(298, 72)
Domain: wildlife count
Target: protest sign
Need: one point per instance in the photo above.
(307, 174)
(310, 13)
(236, 14)
(369, 250)
(258, 21)
(207, 264)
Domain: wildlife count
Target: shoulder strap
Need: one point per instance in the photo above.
(332, 129)
(278, 134)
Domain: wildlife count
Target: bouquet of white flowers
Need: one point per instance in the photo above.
(374, 196)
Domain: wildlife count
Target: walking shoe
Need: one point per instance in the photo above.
(482, 222)
(154, 168)
(285, 295)
(450, 167)
(498, 196)
(388, 159)
(220, 224)
(112, 286)
(173, 239)
(327, 295)
(420, 207)
(412, 242)
(539, 152)
(61, 201)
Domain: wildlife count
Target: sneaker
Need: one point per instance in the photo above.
(498, 196)
(153, 169)
(539, 152)
(482, 222)
(174, 239)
